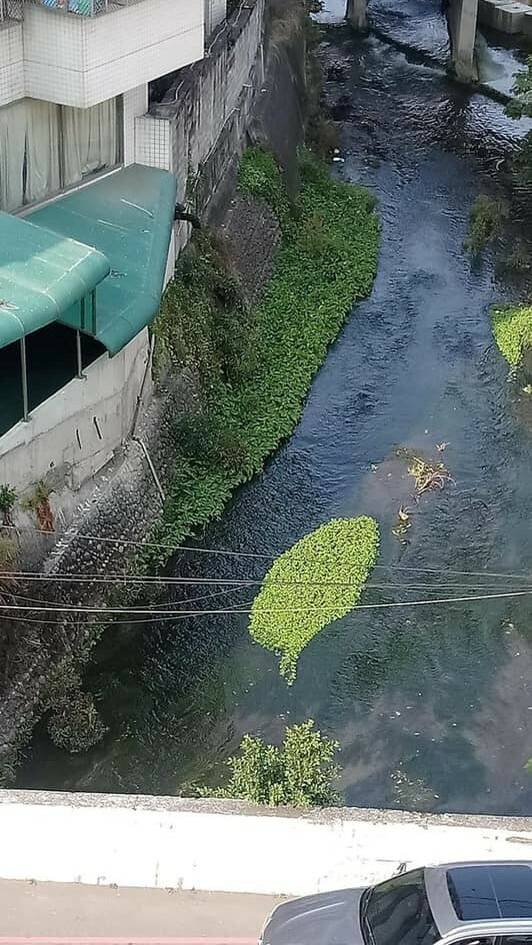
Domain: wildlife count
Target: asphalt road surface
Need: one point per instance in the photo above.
(53, 914)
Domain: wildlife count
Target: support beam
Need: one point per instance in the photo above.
(463, 16)
(357, 14)
(94, 322)
(24, 375)
(79, 358)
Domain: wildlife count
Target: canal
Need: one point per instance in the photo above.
(432, 704)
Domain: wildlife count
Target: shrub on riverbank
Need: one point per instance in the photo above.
(486, 221)
(256, 366)
(76, 725)
(299, 773)
(317, 581)
(512, 328)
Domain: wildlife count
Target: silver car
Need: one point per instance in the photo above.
(487, 903)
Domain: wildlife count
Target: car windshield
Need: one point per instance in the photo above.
(397, 912)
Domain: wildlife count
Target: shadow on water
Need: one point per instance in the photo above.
(440, 693)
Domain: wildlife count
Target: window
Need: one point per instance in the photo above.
(515, 940)
(45, 148)
(397, 912)
(487, 940)
(491, 891)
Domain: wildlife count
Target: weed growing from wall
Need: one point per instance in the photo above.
(8, 497)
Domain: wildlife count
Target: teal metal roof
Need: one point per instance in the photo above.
(42, 274)
(128, 217)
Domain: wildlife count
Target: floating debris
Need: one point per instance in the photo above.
(428, 475)
(402, 524)
(441, 446)
(411, 792)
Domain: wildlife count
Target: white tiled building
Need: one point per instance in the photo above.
(74, 77)
(74, 136)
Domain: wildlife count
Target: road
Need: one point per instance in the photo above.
(54, 914)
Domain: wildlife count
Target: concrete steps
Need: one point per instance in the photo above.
(507, 17)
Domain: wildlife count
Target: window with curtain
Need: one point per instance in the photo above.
(45, 148)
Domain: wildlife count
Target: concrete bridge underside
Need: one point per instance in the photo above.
(462, 16)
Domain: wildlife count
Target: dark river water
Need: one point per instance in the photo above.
(432, 704)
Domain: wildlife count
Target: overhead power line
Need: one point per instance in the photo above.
(108, 612)
(267, 557)
(119, 578)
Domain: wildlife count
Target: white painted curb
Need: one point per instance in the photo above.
(233, 847)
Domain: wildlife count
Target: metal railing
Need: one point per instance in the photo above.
(10, 10)
(82, 7)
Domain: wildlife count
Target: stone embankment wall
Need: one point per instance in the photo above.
(232, 846)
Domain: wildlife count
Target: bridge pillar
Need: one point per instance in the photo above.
(463, 16)
(357, 14)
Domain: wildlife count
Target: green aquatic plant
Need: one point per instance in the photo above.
(260, 177)
(299, 773)
(318, 580)
(255, 366)
(512, 329)
(486, 220)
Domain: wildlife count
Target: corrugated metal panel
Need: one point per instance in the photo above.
(42, 274)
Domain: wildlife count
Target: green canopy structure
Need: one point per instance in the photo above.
(42, 275)
(128, 217)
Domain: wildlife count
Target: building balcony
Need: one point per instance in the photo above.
(84, 7)
(83, 52)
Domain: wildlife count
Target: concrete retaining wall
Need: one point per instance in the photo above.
(200, 126)
(78, 428)
(231, 846)
(507, 16)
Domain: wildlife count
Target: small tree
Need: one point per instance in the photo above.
(300, 772)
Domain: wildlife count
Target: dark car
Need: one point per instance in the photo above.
(486, 903)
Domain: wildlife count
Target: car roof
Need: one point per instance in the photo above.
(481, 896)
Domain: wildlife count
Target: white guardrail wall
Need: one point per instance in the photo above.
(232, 847)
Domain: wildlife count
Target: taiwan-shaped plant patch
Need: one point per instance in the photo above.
(317, 581)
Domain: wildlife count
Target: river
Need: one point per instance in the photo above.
(432, 705)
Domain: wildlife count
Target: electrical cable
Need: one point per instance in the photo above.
(199, 613)
(271, 557)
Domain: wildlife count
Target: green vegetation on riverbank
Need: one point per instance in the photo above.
(512, 328)
(315, 582)
(486, 221)
(255, 367)
(300, 772)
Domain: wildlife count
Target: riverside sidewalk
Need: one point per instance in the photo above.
(56, 914)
